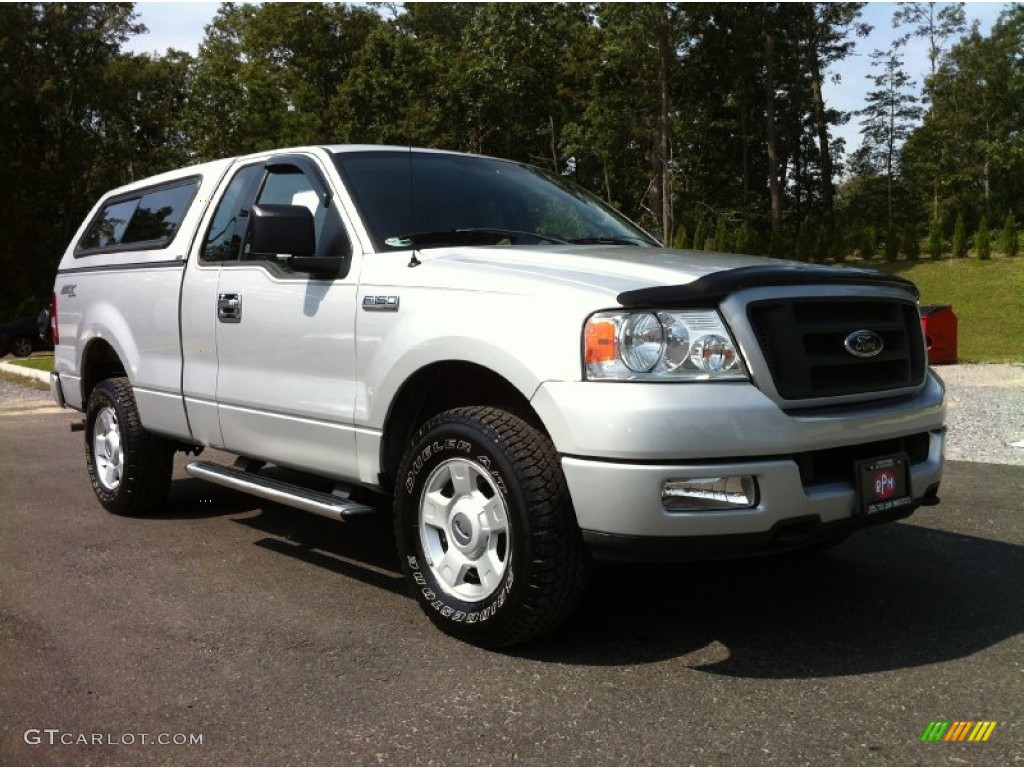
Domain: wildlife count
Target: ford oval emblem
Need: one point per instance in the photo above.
(864, 343)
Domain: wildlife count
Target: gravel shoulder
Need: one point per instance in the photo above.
(985, 413)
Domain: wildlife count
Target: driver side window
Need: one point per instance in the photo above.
(290, 185)
(224, 236)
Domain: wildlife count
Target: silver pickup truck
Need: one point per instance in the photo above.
(532, 378)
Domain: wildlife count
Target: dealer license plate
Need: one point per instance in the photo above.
(884, 484)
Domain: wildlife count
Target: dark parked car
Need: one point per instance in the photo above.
(22, 337)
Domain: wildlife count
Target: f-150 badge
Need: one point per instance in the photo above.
(380, 303)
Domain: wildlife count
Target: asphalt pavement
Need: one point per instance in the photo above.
(240, 632)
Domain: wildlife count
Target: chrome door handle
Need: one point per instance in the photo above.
(229, 307)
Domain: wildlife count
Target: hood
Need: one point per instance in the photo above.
(605, 270)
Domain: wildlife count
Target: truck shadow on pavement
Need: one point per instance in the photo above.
(193, 499)
(890, 598)
(362, 548)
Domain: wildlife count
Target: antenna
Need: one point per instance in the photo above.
(412, 196)
(413, 262)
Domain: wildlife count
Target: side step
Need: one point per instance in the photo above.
(334, 505)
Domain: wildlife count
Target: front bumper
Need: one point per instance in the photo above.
(621, 443)
(619, 508)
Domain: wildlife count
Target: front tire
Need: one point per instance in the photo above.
(130, 468)
(486, 530)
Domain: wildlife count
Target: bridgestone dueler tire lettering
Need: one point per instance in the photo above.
(548, 565)
(148, 459)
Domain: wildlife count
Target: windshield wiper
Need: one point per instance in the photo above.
(468, 236)
(603, 241)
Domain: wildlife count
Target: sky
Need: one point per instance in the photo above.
(180, 25)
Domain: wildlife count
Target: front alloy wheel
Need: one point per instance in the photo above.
(464, 529)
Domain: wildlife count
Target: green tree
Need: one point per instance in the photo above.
(823, 243)
(63, 146)
(983, 240)
(937, 25)
(1008, 240)
(889, 115)
(839, 247)
(825, 35)
(743, 241)
(267, 76)
(892, 245)
(699, 236)
(869, 243)
(935, 240)
(721, 236)
(968, 145)
(140, 115)
(805, 242)
(680, 240)
(637, 78)
(910, 243)
(388, 96)
(960, 238)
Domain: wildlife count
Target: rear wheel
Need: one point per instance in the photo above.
(486, 530)
(130, 468)
(21, 346)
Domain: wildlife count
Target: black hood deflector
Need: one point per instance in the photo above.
(712, 289)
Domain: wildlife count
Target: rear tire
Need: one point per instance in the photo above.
(21, 346)
(130, 468)
(486, 530)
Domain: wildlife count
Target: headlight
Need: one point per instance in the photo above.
(642, 342)
(660, 346)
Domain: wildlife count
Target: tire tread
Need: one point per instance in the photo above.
(149, 459)
(559, 571)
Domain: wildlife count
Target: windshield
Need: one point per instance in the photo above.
(422, 199)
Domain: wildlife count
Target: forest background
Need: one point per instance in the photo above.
(705, 122)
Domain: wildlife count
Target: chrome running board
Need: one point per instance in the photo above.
(335, 505)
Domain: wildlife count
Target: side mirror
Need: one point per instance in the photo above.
(285, 229)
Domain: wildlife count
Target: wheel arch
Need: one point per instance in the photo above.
(439, 387)
(99, 361)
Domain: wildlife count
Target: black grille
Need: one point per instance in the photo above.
(836, 465)
(803, 343)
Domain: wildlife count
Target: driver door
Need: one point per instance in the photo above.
(285, 339)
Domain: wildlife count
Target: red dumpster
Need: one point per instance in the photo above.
(939, 324)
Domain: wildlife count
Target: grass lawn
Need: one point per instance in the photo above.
(987, 297)
(39, 362)
(23, 381)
